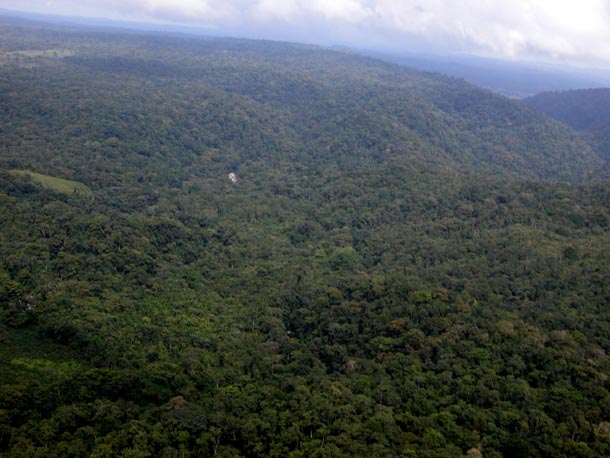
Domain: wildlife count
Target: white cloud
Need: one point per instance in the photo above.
(293, 10)
(560, 29)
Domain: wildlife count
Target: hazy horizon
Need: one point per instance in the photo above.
(545, 32)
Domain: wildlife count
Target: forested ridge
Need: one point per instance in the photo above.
(585, 110)
(406, 265)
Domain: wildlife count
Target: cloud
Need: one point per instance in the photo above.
(552, 29)
(352, 11)
(556, 28)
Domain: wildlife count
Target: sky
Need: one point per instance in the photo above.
(561, 31)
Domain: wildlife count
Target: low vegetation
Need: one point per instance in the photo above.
(53, 183)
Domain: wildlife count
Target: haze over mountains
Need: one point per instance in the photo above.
(510, 77)
(513, 79)
(225, 247)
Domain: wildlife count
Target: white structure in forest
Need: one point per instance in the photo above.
(232, 177)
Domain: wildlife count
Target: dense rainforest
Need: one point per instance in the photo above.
(585, 110)
(399, 265)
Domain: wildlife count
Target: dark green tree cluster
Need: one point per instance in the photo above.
(585, 110)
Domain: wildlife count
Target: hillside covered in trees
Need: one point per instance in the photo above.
(404, 265)
(585, 110)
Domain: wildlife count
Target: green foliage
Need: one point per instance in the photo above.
(366, 288)
(585, 110)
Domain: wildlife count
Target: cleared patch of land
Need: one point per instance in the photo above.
(27, 57)
(53, 183)
(26, 351)
(40, 53)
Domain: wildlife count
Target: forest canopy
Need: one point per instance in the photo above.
(404, 265)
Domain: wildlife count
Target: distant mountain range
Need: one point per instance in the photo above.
(513, 79)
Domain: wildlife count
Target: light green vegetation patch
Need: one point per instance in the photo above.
(6, 199)
(46, 366)
(58, 53)
(23, 350)
(26, 58)
(54, 183)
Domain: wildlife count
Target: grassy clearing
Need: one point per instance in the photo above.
(58, 53)
(55, 184)
(28, 58)
(23, 350)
